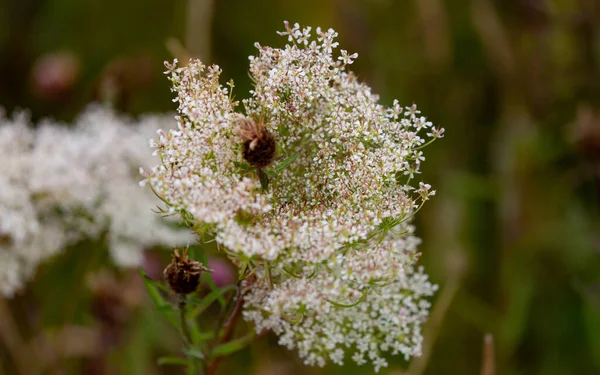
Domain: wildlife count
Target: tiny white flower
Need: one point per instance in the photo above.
(60, 184)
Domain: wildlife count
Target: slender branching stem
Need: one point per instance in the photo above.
(237, 310)
(228, 330)
(224, 312)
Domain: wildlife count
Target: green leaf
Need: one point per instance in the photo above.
(233, 346)
(194, 353)
(264, 179)
(196, 253)
(592, 323)
(345, 306)
(194, 331)
(199, 337)
(152, 289)
(290, 273)
(157, 195)
(172, 361)
(283, 130)
(162, 306)
(165, 308)
(204, 303)
(289, 160)
(243, 166)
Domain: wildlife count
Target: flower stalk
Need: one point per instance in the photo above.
(227, 331)
(185, 330)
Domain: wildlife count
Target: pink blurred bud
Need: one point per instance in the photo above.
(222, 271)
(54, 74)
(152, 264)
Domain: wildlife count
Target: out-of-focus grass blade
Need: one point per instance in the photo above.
(592, 323)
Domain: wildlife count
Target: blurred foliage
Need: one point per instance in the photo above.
(512, 236)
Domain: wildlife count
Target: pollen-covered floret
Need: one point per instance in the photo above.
(324, 227)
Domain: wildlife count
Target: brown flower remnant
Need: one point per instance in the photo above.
(259, 142)
(183, 274)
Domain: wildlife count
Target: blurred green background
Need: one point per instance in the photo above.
(513, 236)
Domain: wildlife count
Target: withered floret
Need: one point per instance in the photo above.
(259, 143)
(183, 274)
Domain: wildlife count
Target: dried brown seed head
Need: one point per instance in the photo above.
(259, 143)
(183, 274)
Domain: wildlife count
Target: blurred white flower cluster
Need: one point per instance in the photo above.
(60, 184)
(310, 192)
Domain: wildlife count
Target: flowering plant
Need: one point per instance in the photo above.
(63, 184)
(310, 191)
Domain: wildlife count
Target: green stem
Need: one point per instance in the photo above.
(181, 303)
(224, 311)
(425, 144)
(264, 179)
(196, 368)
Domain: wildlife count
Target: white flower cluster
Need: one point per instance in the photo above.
(323, 232)
(59, 184)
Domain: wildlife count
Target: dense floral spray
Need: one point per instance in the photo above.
(309, 189)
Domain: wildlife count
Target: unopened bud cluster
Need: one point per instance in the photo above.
(329, 243)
